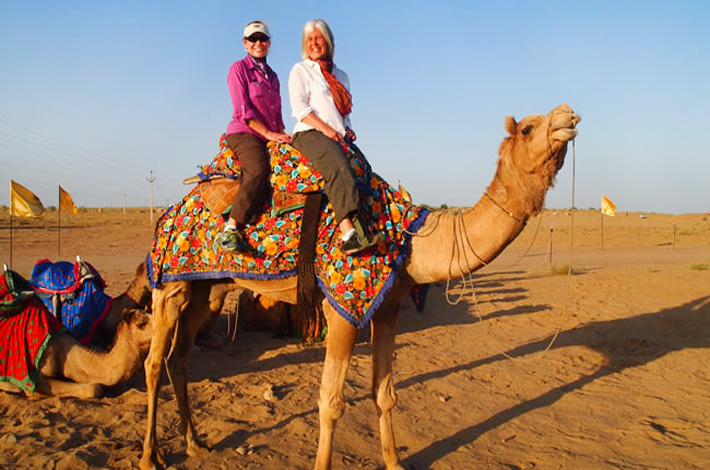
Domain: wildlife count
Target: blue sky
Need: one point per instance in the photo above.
(95, 95)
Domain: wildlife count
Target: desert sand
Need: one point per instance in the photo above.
(604, 368)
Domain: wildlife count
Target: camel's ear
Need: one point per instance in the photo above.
(140, 317)
(143, 319)
(511, 126)
(127, 315)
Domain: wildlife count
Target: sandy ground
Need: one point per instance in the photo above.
(624, 385)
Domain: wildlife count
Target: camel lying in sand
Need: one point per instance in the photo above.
(530, 157)
(90, 369)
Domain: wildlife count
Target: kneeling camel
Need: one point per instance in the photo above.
(90, 369)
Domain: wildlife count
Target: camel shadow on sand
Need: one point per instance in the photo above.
(624, 343)
(490, 288)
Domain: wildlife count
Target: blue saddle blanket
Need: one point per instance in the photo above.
(74, 293)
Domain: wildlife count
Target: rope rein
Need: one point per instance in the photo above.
(562, 314)
(460, 258)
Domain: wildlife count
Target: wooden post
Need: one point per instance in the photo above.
(151, 179)
(552, 229)
(674, 227)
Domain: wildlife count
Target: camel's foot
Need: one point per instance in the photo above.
(94, 390)
(152, 460)
(396, 466)
(196, 448)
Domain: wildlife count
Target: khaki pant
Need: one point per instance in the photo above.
(253, 182)
(329, 159)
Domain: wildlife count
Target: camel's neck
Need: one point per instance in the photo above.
(107, 368)
(452, 244)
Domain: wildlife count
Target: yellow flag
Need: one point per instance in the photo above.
(66, 203)
(23, 202)
(405, 194)
(608, 207)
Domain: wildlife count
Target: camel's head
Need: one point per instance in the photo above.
(138, 325)
(140, 286)
(537, 144)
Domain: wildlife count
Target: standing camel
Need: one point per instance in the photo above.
(530, 157)
(90, 369)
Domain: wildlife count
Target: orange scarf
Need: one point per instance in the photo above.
(341, 96)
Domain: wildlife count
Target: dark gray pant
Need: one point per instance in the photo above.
(329, 159)
(253, 182)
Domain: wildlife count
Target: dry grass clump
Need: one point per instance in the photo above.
(700, 266)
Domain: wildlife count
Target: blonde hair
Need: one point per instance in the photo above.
(324, 29)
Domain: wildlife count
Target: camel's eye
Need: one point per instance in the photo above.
(526, 130)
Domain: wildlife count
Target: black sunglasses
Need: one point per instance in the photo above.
(258, 37)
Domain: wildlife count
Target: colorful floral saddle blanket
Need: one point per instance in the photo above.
(25, 330)
(185, 241)
(73, 293)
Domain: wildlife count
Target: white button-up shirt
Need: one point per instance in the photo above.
(309, 92)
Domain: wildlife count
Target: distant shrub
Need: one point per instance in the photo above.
(559, 268)
(700, 266)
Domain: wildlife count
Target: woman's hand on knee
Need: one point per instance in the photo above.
(333, 134)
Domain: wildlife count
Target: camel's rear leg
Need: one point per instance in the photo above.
(339, 346)
(168, 304)
(384, 329)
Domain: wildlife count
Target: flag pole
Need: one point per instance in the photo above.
(10, 224)
(59, 220)
(602, 212)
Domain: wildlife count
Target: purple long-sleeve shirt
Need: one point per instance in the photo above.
(254, 96)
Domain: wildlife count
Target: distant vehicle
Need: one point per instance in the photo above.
(642, 215)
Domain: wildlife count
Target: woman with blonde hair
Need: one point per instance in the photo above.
(321, 103)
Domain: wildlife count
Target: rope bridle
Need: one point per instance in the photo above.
(507, 212)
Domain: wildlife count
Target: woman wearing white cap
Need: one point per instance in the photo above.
(321, 103)
(255, 91)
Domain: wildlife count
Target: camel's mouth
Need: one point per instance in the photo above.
(564, 135)
(564, 126)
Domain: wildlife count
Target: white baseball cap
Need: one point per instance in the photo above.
(256, 27)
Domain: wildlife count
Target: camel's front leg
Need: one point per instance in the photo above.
(164, 321)
(339, 347)
(61, 388)
(384, 328)
(188, 326)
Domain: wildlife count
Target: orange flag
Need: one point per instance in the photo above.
(66, 203)
(608, 207)
(23, 202)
